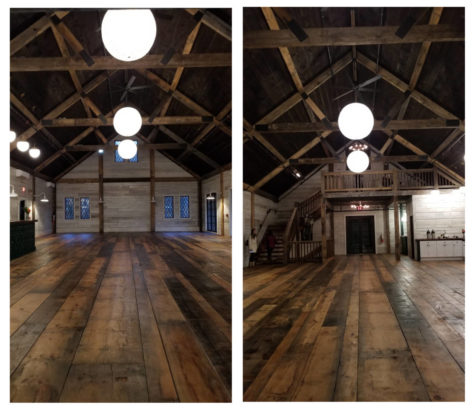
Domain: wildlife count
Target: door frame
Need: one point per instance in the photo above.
(370, 218)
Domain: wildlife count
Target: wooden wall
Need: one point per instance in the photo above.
(213, 185)
(127, 204)
(43, 211)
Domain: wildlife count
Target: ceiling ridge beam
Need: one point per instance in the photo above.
(33, 31)
(38, 64)
(352, 36)
(107, 122)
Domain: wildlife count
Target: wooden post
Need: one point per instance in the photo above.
(33, 214)
(221, 187)
(253, 216)
(436, 179)
(397, 240)
(200, 205)
(152, 190)
(323, 216)
(53, 206)
(386, 230)
(332, 228)
(101, 193)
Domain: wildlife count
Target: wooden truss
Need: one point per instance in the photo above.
(81, 60)
(282, 39)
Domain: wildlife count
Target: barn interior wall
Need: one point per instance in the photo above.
(43, 211)
(213, 185)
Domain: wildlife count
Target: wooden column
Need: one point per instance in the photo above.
(101, 193)
(436, 179)
(253, 215)
(397, 240)
(323, 216)
(332, 228)
(221, 187)
(200, 205)
(53, 205)
(386, 230)
(33, 214)
(152, 191)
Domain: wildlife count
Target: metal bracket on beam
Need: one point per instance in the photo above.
(297, 30)
(327, 123)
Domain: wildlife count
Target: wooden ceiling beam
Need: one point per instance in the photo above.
(190, 41)
(187, 146)
(62, 107)
(453, 136)
(213, 22)
(151, 146)
(334, 160)
(352, 36)
(403, 87)
(299, 153)
(33, 31)
(253, 134)
(309, 88)
(107, 122)
(185, 100)
(37, 64)
(416, 124)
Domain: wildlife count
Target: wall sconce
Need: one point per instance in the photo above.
(210, 197)
(153, 199)
(12, 192)
(101, 201)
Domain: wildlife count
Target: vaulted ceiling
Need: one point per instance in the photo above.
(298, 62)
(65, 88)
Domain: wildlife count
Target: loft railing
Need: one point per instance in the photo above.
(386, 180)
(304, 251)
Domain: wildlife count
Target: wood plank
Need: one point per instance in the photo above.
(38, 64)
(351, 36)
(97, 122)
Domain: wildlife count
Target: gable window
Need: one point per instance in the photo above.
(184, 207)
(69, 208)
(168, 206)
(119, 159)
(85, 210)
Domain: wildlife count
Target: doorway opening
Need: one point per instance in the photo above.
(22, 210)
(211, 223)
(360, 235)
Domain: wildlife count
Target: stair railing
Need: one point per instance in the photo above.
(290, 232)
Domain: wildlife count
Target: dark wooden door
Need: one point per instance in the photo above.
(22, 209)
(211, 223)
(360, 235)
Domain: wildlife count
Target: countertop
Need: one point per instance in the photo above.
(440, 239)
(20, 222)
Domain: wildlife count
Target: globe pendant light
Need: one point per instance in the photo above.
(127, 121)
(357, 161)
(23, 146)
(34, 152)
(12, 136)
(355, 121)
(127, 149)
(128, 35)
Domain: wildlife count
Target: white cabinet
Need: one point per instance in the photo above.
(428, 249)
(452, 249)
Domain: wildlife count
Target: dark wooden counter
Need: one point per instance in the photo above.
(440, 239)
(22, 238)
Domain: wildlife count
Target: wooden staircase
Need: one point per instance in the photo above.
(278, 253)
(295, 248)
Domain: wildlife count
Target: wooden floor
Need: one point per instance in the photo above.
(363, 328)
(122, 317)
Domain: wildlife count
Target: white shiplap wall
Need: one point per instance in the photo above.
(43, 211)
(444, 212)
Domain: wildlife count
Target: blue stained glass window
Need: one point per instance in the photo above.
(85, 210)
(119, 159)
(168, 206)
(184, 207)
(69, 208)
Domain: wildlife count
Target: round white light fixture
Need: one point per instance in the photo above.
(127, 121)
(34, 152)
(127, 149)
(355, 121)
(357, 161)
(12, 136)
(23, 146)
(128, 35)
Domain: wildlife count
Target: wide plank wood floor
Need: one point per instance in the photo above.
(122, 317)
(356, 328)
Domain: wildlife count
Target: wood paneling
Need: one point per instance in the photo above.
(365, 328)
(122, 318)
